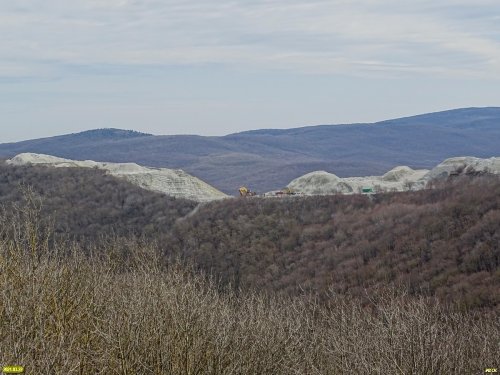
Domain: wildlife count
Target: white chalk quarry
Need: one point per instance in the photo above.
(464, 165)
(400, 178)
(174, 182)
(323, 183)
(178, 183)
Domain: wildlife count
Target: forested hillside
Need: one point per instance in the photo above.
(66, 312)
(87, 204)
(444, 242)
(299, 285)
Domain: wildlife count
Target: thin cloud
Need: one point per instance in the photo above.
(333, 37)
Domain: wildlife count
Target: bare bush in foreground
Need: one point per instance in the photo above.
(104, 313)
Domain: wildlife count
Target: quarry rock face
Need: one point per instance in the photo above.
(465, 165)
(319, 182)
(400, 178)
(180, 184)
(174, 182)
(397, 179)
(399, 173)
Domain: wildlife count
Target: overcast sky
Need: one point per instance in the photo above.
(217, 67)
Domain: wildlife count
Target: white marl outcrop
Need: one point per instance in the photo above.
(400, 178)
(178, 183)
(174, 182)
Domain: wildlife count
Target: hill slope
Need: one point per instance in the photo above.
(175, 183)
(87, 204)
(269, 159)
(443, 241)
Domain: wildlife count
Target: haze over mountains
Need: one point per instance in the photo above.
(269, 159)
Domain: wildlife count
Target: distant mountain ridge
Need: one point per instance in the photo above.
(107, 133)
(267, 159)
(80, 138)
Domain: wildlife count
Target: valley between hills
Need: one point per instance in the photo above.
(269, 159)
(115, 265)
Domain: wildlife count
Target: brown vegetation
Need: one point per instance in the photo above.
(128, 312)
(87, 204)
(443, 242)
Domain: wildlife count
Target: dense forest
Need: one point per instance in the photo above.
(105, 313)
(402, 283)
(86, 204)
(442, 242)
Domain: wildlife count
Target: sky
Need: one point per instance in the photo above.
(219, 67)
